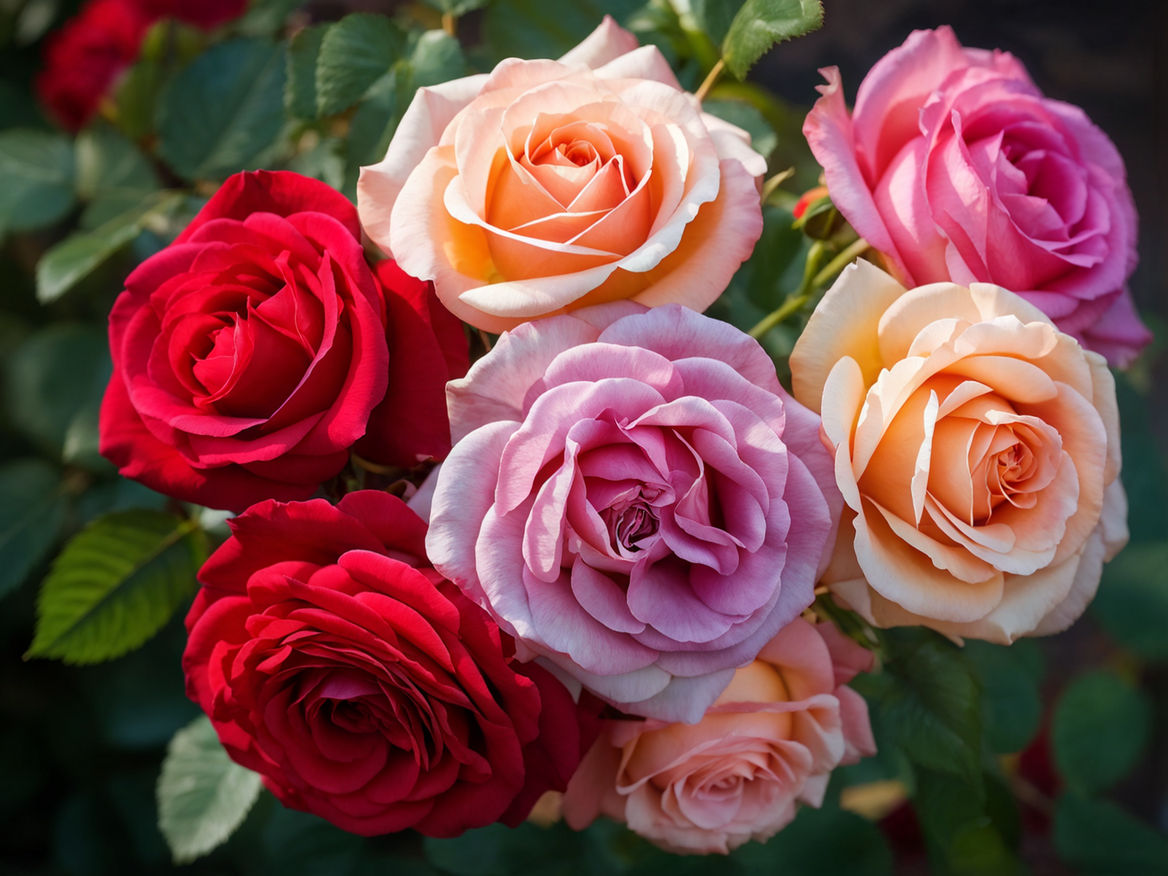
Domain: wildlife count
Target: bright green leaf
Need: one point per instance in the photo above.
(1101, 726)
(760, 24)
(38, 173)
(1098, 838)
(300, 81)
(224, 111)
(115, 584)
(354, 53)
(31, 516)
(1132, 603)
(203, 795)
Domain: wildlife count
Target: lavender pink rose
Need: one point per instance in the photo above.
(634, 497)
(956, 167)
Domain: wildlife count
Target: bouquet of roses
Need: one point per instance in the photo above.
(484, 369)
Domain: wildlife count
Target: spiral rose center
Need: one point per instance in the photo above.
(631, 524)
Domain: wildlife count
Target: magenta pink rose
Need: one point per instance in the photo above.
(956, 167)
(633, 495)
(769, 742)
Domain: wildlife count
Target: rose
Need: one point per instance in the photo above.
(334, 662)
(977, 448)
(633, 495)
(955, 167)
(205, 14)
(550, 185)
(83, 59)
(768, 742)
(250, 355)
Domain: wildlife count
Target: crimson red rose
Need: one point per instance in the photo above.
(250, 354)
(200, 13)
(362, 686)
(82, 60)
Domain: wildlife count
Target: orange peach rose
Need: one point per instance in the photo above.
(977, 449)
(769, 742)
(549, 185)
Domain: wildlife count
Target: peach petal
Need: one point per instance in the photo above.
(606, 43)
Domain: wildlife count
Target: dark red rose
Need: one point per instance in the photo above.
(364, 688)
(249, 354)
(83, 59)
(200, 13)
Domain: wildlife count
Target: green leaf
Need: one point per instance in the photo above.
(456, 7)
(55, 377)
(714, 17)
(38, 173)
(1101, 725)
(70, 261)
(203, 796)
(538, 29)
(760, 24)
(969, 830)
(354, 53)
(748, 117)
(1098, 838)
(300, 81)
(115, 584)
(224, 111)
(1011, 699)
(1132, 603)
(31, 516)
(821, 841)
(108, 162)
(927, 701)
(435, 56)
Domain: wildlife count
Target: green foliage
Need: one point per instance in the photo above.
(225, 111)
(1101, 726)
(760, 24)
(31, 517)
(300, 80)
(457, 7)
(821, 841)
(354, 53)
(968, 832)
(1011, 700)
(1098, 838)
(748, 117)
(538, 29)
(1132, 603)
(115, 584)
(38, 173)
(202, 794)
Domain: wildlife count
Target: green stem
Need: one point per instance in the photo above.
(854, 250)
(814, 278)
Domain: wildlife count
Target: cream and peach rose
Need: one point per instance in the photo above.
(549, 185)
(769, 743)
(977, 449)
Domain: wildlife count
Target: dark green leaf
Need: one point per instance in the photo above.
(760, 24)
(71, 260)
(1011, 700)
(30, 518)
(300, 83)
(538, 29)
(1132, 603)
(435, 56)
(107, 161)
(820, 841)
(1098, 838)
(203, 795)
(224, 111)
(38, 173)
(115, 584)
(968, 829)
(714, 17)
(457, 7)
(55, 377)
(1100, 727)
(354, 53)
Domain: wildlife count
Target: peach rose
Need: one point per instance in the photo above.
(977, 448)
(770, 741)
(549, 185)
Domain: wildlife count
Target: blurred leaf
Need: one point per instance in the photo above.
(300, 79)
(1101, 725)
(203, 795)
(748, 117)
(354, 53)
(496, 850)
(68, 262)
(224, 111)
(265, 17)
(714, 17)
(760, 24)
(820, 841)
(31, 516)
(1098, 838)
(927, 701)
(1132, 603)
(107, 161)
(115, 584)
(457, 7)
(56, 376)
(968, 830)
(1011, 700)
(325, 161)
(538, 29)
(38, 173)
(296, 842)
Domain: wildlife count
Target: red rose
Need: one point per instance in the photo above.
(249, 355)
(362, 686)
(82, 60)
(200, 13)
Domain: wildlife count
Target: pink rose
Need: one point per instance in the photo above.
(551, 185)
(632, 495)
(977, 448)
(955, 167)
(770, 741)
